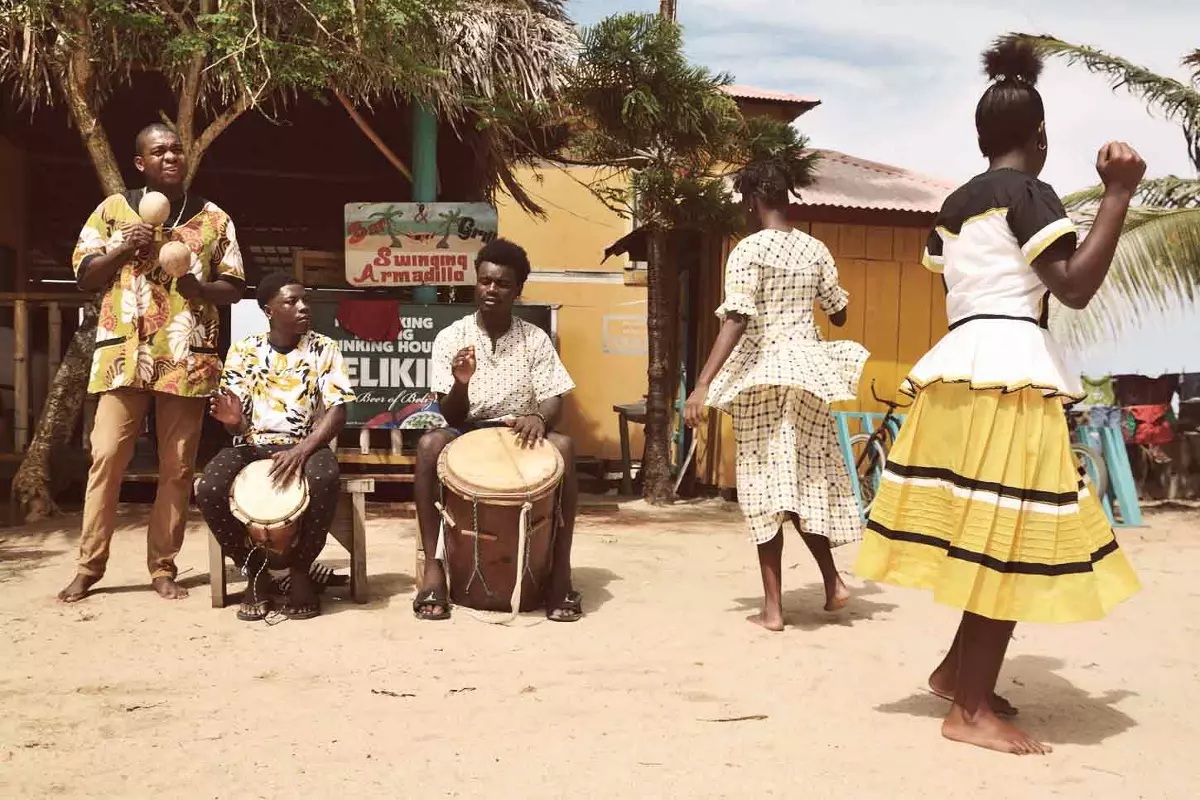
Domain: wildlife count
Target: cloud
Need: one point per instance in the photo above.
(899, 80)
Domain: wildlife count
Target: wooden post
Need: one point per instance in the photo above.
(424, 169)
(424, 155)
(54, 347)
(21, 374)
(216, 573)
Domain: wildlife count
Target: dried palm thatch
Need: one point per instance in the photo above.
(501, 68)
(491, 68)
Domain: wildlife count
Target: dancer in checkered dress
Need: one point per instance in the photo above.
(770, 370)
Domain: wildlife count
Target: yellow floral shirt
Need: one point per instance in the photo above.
(148, 336)
(281, 393)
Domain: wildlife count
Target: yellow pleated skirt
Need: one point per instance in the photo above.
(983, 503)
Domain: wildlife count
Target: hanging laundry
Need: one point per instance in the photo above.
(1189, 387)
(370, 320)
(1153, 424)
(1189, 417)
(1138, 390)
(1099, 391)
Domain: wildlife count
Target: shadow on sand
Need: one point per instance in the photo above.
(804, 607)
(1053, 709)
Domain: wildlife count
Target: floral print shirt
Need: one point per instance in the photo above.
(282, 393)
(148, 336)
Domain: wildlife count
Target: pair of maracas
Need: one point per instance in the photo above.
(174, 257)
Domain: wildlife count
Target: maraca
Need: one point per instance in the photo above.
(175, 258)
(154, 209)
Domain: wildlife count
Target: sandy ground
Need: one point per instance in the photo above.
(126, 695)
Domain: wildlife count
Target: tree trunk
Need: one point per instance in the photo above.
(31, 486)
(660, 330)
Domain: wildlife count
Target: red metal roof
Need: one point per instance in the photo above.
(848, 182)
(743, 92)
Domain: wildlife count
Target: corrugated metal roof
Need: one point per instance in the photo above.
(744, 92)
(844, 181)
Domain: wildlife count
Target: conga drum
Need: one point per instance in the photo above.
(271, 513)
(500, 508)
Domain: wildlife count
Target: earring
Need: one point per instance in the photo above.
(1042, 147)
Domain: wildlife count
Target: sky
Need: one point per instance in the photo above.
(899, 81)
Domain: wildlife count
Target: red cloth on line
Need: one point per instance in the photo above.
(370, 320)
(1153, 425)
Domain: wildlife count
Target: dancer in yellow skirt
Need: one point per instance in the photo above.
(981, 500)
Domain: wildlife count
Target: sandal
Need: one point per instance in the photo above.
(306, 611)
(569, 610)
(427, 600)
(254, 612)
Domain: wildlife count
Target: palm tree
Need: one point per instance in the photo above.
(390, 218)
(450, 224)
(1157, 264)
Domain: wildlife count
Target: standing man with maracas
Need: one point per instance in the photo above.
(156, 339)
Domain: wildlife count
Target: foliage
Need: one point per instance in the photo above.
(637, 109)
(1157, 263)
(490, 67)
(463, 58)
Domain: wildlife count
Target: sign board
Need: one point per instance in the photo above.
(391, 378)
(625, 334)
(415, 244)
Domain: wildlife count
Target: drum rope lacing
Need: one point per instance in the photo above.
(523, 551)
(253, 587)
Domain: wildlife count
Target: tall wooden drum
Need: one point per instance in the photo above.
(496, 494)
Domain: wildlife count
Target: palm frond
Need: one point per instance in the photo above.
(1192, 61)
(1156, 268)
(1172, 98)
(1167, 192)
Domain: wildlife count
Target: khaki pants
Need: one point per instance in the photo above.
(119, 417)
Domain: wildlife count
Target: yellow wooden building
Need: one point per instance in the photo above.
(873, 217)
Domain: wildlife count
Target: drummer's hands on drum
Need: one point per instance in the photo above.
(287, 464)
(529, 430)
(226, 408)
(463, 365)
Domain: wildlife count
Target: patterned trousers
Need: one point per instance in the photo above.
(321, 472)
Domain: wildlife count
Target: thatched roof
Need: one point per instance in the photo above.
(506, 52)
(501, 63)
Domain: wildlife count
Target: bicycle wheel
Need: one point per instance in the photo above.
(1093, 462)
(869, 457)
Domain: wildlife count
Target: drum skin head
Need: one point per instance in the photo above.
(254, 500)
(490, 463)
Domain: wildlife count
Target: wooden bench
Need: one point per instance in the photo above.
(349, 528)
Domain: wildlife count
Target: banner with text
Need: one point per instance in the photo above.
(391, 377)
(413, 244)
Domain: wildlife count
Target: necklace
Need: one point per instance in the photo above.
(179, 216)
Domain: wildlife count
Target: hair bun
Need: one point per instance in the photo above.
(1012, 59)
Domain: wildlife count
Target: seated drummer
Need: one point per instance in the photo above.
(272, 389)
(493, 368)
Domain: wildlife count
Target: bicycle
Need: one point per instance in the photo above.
(1088, 457)
(870, 451)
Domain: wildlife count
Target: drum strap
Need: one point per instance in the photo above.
(515, 607)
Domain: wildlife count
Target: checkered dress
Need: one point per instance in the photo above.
(778, 384)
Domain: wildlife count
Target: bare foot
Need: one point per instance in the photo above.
(836, 596)
(168, 589)
(78, 588)
(988, 731)
(944, 689)
(771, 620)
